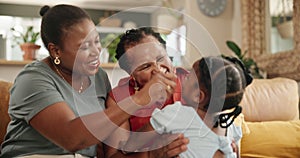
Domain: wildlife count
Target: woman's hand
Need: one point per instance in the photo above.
(158, 89)
(172, 150)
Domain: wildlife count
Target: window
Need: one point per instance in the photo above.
(176, 44)
(280, 11)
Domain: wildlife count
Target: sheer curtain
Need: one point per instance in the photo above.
(253, 27)
(296, 23)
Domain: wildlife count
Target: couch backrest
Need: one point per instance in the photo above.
(271, 99)
(4, 99)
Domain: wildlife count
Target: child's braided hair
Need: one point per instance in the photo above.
(224, 80)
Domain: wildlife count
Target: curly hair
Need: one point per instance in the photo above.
(131, 38)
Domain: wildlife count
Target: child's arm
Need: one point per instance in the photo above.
(219, 154)
(235, 148)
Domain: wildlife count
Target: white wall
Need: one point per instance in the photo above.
(236, 28)
(9, 72)
(226, 26)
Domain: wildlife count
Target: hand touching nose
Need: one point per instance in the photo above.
(158, 89)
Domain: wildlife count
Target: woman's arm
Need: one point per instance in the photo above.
(111, 144)
(159, 147)
(59, 124)
(113, 148)
(171, 150)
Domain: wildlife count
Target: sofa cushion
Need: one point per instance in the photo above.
(274, 99)
(272, 139)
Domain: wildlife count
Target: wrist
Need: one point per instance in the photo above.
(139, 99)
(130, 105)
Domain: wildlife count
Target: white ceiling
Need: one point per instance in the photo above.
(94, 4)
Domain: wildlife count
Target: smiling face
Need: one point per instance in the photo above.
(147, 57)
(81, 48)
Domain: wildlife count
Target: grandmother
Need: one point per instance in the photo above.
(142, 54)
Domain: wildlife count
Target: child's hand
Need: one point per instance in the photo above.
(234, 146)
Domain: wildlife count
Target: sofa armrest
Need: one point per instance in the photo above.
(4, 100)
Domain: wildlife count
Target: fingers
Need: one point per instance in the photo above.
(169, 76)
(173, 149)
(176, 151)
(169, 88)
(178, 146)
(158, 89)
(161, 84)
(168, 81)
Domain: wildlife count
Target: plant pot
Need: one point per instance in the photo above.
(29, 50)
(285, 29)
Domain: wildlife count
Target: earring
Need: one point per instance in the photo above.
(136, 87)
(56, 61)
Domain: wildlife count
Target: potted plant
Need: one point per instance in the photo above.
(249, 63)
(110, 42)
(27, 42)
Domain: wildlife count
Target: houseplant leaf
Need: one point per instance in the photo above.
(249, 63)
(110, 42)
(234, 47)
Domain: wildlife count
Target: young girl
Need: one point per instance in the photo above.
(215, 91)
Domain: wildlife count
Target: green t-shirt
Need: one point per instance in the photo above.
(35, 88)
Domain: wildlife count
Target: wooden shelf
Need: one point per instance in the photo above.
(110, 65)
(24, 62)
(103, 29)
(14, 62)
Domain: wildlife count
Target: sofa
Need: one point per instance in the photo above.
(271, 114)
(4, 99)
